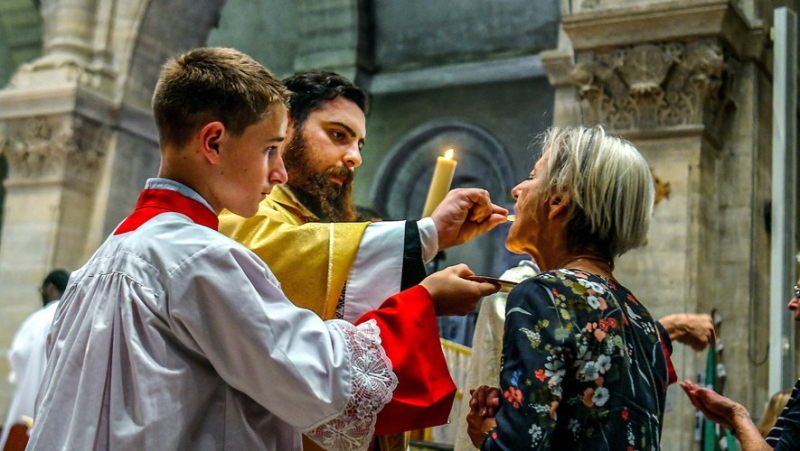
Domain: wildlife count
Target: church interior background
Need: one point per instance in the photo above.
(688, 81)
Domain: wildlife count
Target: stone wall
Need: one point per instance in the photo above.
(689, 84)
(688, 81)
(416, 33)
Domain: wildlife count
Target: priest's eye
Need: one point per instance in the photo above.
(337, 135)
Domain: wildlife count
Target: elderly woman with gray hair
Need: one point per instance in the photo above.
(584, 365)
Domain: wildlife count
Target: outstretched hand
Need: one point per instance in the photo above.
(482, 408)
(728, 413)
(692, 329)
(715, 407)
(464, 214)
(453, 294)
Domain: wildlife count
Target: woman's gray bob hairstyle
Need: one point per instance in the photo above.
(610, 188)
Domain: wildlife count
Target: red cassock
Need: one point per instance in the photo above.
(410, 337)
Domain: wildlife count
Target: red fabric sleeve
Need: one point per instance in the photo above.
(672, 375)
(410, 337)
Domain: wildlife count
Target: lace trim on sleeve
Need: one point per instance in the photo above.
(373, 383)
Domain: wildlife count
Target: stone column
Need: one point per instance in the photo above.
(54, 162)
(69, 27)
(684, 81)
(55, 117)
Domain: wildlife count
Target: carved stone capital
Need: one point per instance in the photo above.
(52, 70)
(64, 147)
(656, 86)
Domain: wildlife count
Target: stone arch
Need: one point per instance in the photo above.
(403, 178)
(158, 39)
(139, 58)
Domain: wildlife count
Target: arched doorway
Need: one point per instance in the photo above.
(403, 178)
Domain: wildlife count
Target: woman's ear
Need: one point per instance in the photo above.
(557, 205)
(211, 136)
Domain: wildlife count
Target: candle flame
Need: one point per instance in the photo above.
(449, 154)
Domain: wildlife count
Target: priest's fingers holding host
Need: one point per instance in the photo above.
(464, 214)
(453, 294)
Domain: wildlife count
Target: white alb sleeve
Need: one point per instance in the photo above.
(377, 270)
(429, 237)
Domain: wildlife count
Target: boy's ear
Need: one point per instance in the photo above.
(557, 205)
(211, 136)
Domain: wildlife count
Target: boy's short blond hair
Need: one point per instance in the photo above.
(212, 84)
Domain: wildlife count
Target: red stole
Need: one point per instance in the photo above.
(153, 202)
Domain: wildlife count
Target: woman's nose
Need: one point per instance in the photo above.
(515, 192)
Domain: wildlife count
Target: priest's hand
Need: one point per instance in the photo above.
(482, 409)
(454, 295)
(464, 214)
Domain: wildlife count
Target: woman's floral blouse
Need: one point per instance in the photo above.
(583, 367)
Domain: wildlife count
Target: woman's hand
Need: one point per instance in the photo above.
(482, 409)
(715, 407)
(728, 413)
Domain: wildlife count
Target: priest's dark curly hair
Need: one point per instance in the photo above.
(311, 88)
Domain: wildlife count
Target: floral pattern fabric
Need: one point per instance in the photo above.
(583, 367)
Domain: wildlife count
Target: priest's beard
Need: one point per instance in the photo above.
(326, 199)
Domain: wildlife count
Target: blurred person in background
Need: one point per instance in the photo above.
(27, 356)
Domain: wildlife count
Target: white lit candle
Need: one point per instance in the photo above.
(440, 184)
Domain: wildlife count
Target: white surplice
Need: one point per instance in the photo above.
(27, 360)
(174, 336)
